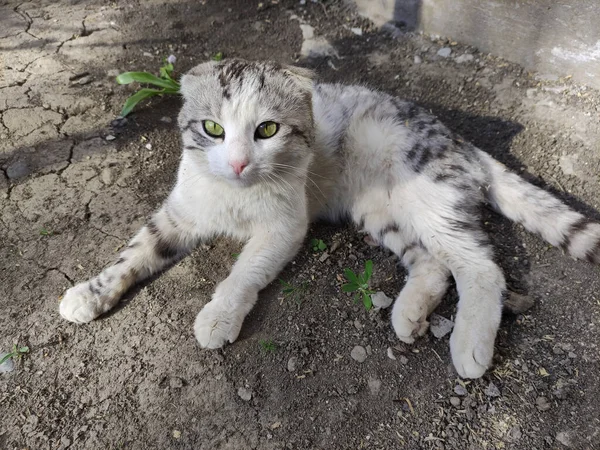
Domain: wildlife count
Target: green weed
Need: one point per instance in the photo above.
(359, 284)
(17, 352)
(294, 292)
(318, 245)
(268, 346)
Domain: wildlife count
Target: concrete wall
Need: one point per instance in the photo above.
(559, 37)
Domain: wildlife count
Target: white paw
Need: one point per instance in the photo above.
(409, 320)
(472, 348)
(215, 325)
(80, 305)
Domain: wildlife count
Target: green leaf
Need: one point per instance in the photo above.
(217, 56)
(6, 357)
(368, 270)
(145, 77)
(349, 287)
(24, 349)
(322, 245)
(351, 276)
(367, 301)
(140, 95)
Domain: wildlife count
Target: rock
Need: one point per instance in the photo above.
(357, 31)
(65, 442)
(444, 52)
(107, 176)
(166, 119)
(440, 326)
(564, 438)
(245, 394)
(517, 303)
(380, 300)
(85, 80)
(323, 257)
(374, 385)
(8, 365)
(175, 383)
(460, 390)
(119, 122)
(455, 401)
(515, 433)
(176, 434)
(542, 404)
(403, 359)
(492, 390)
(110, 137)
(292, 363)
(418, 59)
(359, 354)
(464, 58)
(390, 353)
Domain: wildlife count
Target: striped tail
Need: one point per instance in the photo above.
(540, 212)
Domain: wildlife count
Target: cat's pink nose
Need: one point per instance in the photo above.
(238, 166)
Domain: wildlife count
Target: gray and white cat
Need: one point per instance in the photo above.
(266, 151)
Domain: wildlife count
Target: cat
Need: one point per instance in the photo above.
(266, 150)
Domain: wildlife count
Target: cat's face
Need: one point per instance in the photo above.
(248, 121)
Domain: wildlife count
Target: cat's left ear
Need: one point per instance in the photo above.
(303, 77)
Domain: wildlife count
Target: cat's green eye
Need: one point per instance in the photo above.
(266, 130)
(213, 129)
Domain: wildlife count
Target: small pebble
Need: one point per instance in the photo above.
(359, 354)
(380, 300)
(455, 401)
(292, 363)
(148, 146)
(444, 52)
(357, 31)
(390, 353)
(542, 404)
(45, 106)
(464, 58)
(245, 394)
(418, 59)
(176, 434)
(166, 119)
(440, 326)
(110, 137)
(492, 390)
(8, 365)
(403, 359)
(460, 390)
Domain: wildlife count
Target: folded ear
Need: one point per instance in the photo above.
(304, 77)
(187, 80)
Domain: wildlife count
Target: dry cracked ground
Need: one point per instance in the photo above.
(71, 195)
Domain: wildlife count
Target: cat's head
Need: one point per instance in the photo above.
(248, 121)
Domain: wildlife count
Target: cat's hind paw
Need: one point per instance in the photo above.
(472, 350)
(215, 326)
(80, 304)
(409, 321)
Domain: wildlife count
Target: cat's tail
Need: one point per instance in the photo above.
(540, 212)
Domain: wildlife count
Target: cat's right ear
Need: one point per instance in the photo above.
(304, 77)
(187, 79)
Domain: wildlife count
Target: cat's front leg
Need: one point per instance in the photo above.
(263, 257)
(166, 238)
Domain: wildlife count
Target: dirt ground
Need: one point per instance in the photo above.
(71, 196)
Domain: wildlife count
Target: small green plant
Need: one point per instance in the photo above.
(318, 245)
(217, 56)
(166, 83)
(294, 292)
(46, 232)
(17, 352)
(268, 345)
(359, 283)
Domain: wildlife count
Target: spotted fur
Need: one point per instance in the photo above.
(340, 152)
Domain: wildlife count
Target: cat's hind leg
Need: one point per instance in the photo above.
(161, 242)
(427, 282)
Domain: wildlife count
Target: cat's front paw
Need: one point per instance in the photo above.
(409, 320)
(472, 348)
(216, 324)
(80, 304)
